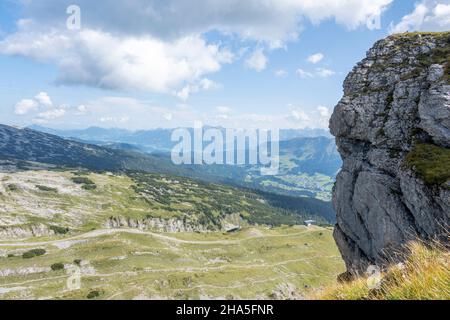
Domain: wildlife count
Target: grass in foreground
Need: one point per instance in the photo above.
(425, 275)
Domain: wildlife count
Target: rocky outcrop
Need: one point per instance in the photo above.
(24, 232)
(395, 100)
(173, 225)
(23, 271)
(155, 224)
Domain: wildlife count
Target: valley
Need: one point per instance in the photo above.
(309, 160)
(138, 235)
(254, 263)
(45, 201)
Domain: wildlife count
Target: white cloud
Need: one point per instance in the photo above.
(428, 15)
(318, 72)
(52, 114)
(324, 117)
(41, 108)
(442, 15)
(271, 21)
(324, 73)
(301, 118)
(203, 84)
(115, 120)
(134, 114)
(281, 73)
(81, 110)
(223, 110)
(300, 115)
(315, 58)
(43, 99)
(323, 111)
(351, 13)
(25, 106)
(158, 46)
(257, 61)
(102, 60)
(304, 74)
(223, 113)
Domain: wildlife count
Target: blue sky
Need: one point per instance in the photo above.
(142, 64)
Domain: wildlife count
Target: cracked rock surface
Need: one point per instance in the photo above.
(398, 96)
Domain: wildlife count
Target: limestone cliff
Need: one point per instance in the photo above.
(392, 129)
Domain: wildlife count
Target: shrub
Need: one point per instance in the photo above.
(78, 173)
(77, 262)
(33, 253)
(28, 255)
(12, 187)
(57, 266)
(89, 187)
(94, 294)
(82, 180)
(87, 184)
(59, 230)
(47, 189)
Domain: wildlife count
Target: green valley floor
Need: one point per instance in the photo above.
(254, 263)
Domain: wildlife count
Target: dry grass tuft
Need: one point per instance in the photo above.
(425, 275)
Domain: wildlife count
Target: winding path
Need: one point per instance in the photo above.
(103, 232)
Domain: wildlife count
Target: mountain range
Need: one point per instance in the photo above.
(156, 139)
(26, 147)
(309, 160)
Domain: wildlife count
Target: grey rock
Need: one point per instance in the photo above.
(174, 225)
(24, 232)
(392, 99)
(434, 113)
(23, 271)
(156, 224)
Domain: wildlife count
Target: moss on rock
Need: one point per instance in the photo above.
(430, 162)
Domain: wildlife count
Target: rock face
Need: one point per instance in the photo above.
(24, 232)
(395, 99)
(155, 224)
(174, 225)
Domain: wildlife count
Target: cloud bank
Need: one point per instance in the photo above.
(161, 46)
(428, 15)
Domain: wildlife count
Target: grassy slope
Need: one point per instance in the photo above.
(257, 262)
(425, 275)
(53, 198)
(254, 263)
